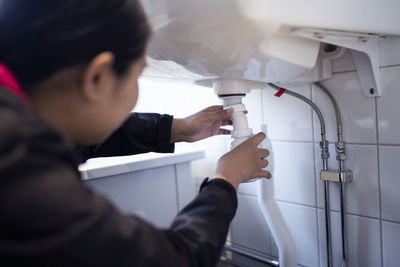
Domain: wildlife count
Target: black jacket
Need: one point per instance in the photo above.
(49, 218)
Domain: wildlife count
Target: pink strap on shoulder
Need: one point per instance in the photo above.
(8, 80)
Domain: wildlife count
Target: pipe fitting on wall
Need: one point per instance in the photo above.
(324, 149)
(340, 151)
(337, 177)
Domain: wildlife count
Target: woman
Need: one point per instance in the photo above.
(68, 77)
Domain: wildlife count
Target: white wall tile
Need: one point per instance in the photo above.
(287, 117)
(302, 224)
(389, 51)
(357, 110)
(151, 96)
(344, 63)
(363, 241)
(391, 244)
(180, 98)
(388, 106)
(248, 228)
(362, 194)
(253, 105)
(294, 172)
(390, 182)
(185, 98)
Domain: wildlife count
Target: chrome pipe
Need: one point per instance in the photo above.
(309, 102)
(324, 155)
(341, 159)
(327, 218)
(343, 223)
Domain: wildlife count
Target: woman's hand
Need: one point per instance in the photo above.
(201, 125)
(243, 163)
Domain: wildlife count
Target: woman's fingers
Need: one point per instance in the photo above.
(226, 122)
(263, 153)
(224, 131)
(263, 163)
(263, 174)
(258, 138)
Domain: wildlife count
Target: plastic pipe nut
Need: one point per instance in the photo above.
(237, 107)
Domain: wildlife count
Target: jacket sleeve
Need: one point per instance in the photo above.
(53, 220)
(140, 133)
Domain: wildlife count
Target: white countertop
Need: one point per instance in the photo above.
(102, 167)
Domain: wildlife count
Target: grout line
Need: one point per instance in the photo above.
(390, 66)
(292, 141)
(317, 142)
(390, 221)
(315, 172)
(388, 145)
(295, 203)
(361, 144)
(354, 214)
(379, 178)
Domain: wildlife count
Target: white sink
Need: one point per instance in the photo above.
(238, 38)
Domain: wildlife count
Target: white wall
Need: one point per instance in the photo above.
(181, 99)
(372, 133)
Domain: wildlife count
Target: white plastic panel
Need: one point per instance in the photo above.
(146, 193)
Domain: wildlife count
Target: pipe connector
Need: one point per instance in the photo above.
(236, 107)
(324, 149)
(338, 177)
(239, 121)
(341, 151)
(340, 145)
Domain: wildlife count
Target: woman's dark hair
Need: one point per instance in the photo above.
(41, 37)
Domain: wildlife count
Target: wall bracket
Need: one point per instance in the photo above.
(338, 177)
(365, 52)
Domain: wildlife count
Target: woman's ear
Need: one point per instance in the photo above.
(98, 78)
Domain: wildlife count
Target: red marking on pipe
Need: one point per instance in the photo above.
(280, 92)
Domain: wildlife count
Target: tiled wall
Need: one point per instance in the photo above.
(372, 134)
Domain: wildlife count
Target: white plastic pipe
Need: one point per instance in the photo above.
(276, 224)
(272, 215)
(234, 91)
(270, 210)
